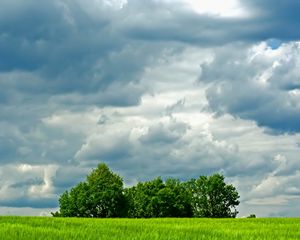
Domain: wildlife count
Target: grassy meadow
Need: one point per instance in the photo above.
(63, 228)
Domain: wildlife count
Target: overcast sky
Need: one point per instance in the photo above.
(171, 88)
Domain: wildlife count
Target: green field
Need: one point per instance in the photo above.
(62, 228)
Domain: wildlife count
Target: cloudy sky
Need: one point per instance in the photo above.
(171, 88)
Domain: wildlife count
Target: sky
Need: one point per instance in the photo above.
(170, 88)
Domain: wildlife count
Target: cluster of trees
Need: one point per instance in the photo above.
(103, 195)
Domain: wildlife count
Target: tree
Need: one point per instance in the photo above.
(175, 199)
(106, 197)
(211, 197)
(100, 196)
(142, 199)
(157, 198)
(73, 203)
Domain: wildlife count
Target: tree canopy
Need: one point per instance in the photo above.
(100, 196)
(157, 198)
(212, 197)
(103, 195)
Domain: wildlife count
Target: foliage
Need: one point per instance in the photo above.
(102, 195)
(106, 197)
(212, 197)
(158, 199)
(30, 228)
(252, 216)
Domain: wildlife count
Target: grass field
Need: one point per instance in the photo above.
(62, 228)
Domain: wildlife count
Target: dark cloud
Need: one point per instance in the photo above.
(7, 148)
(28, 202)
(66, 47)
(29, 182)
(265, 20)
(61, 59)
(173, 23)
(256, 84)
(281, 19)
(62, 180)
(75, 48)
(39, 36)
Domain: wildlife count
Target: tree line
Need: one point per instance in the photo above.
(103, 195)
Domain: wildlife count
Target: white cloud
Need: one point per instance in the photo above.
(47, 188)
(224, 8)
(25, 184)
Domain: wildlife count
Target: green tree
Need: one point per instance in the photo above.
(143, 200)
(174, 198)
(73, 203)
(105, 188)
(157, 198)
(211, 197)
(100, 196)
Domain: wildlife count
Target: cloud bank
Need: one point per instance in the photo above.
(157, 87)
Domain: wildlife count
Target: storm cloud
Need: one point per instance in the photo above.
(258, 83)
(151, 88)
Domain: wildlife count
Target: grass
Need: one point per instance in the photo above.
(157, 229)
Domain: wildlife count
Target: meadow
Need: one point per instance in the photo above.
(77, 228)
